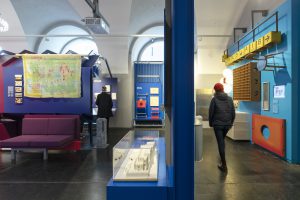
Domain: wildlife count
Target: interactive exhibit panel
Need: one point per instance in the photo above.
(149, 93)
(14, 101)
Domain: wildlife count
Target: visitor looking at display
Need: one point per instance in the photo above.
(105, 104)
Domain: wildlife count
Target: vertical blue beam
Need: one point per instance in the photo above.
(182, 122)
(295, 29)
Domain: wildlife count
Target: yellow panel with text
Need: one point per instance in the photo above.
(260, 43)
(236, 56)
(241, 53)
(253, 47)
(272, 37)
(246, 50)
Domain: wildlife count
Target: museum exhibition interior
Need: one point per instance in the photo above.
(112, 99)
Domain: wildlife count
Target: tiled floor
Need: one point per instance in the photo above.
(253, 174)
(65, 176)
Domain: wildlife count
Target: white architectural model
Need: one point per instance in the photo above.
(141, 160)
(140, 164)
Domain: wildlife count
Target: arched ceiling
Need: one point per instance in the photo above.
(214, 17)
(145, 13)
(38, 17)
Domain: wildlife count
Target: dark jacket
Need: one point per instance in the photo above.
(221, 110)
(105, 104)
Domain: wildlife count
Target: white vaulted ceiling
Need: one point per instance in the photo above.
(127, 17)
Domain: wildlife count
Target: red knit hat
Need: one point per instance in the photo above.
(219, 87)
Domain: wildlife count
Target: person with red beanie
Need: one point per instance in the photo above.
(221, 118)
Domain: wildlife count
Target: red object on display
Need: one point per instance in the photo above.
(155, 117)
(141, 103)
(276, 141)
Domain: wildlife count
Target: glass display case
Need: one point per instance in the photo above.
(135, 157)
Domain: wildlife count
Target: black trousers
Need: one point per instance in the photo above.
(221, 132)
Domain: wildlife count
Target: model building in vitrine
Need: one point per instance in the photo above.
(135, 157)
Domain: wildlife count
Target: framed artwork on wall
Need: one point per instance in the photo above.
(266, 96)
(279, 91)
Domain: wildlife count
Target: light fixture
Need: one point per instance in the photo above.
(227, 80)
(3, 25)
(227, 73)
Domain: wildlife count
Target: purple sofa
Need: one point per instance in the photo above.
(42, 133)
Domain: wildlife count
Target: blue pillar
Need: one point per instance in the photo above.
(182, 121)
(295, 7)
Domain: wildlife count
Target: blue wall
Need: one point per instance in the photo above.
(278, 77)
(146, 76)
(295, 7)
(47, 105)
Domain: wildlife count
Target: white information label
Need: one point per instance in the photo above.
(279, 91)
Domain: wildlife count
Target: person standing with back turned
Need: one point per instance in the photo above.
(221, 118)
(105, 104)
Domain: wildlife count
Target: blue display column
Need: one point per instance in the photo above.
(295, 7)
(182, 110)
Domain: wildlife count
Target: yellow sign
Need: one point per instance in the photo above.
(258, 45)
(246, 50)
(241, 53)
(253, 47)
(272, 37)
(236, 56)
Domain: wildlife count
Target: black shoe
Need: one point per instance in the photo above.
(223, 168)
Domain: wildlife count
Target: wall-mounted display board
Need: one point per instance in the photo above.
(149, 82)
(11, 73)
(246, 83)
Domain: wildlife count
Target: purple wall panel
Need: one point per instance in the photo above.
(47, 105)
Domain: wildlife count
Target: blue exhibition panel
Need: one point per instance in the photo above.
(149, 81)
(80, 105)
(157, 190)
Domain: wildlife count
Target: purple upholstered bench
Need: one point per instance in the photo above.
(42, 133)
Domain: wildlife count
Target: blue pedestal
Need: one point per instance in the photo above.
(157, 190)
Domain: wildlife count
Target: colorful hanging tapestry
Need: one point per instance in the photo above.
(52, 76)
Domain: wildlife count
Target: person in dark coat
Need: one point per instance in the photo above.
(105, 104)
(221, 118)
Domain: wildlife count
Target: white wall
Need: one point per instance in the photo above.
(124, 115)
